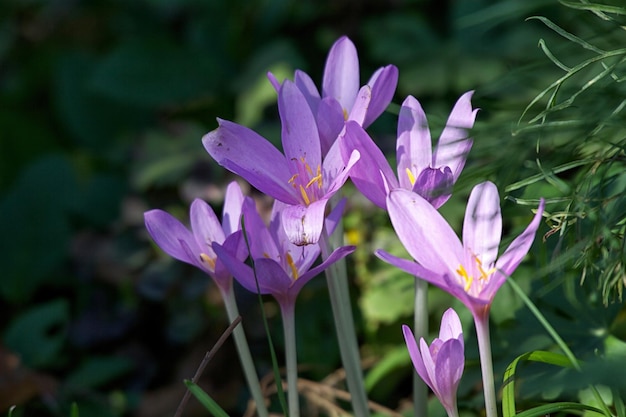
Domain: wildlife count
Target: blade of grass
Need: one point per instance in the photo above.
(204, 398)
(595, 7)
(567, 35)
(556, 170)
(574, 70)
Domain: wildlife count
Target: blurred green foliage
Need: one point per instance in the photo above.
(104, 103)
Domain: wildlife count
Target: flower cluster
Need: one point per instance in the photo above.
(325, 142)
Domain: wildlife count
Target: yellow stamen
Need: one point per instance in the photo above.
(466, 277)
(305, 197)
(483, 274)
(317, 178)
(292, 179)
(345, 114)
(206, 258)
(292, 265)
(411, 176)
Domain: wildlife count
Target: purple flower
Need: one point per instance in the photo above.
(341, 97)
(301, 178)
(430, 174)
(282, 268)
(469, 270)
(194, 247)
(441, 364)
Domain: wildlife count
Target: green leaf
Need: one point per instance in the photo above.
(508, 390)
(394, 359)
(92, 119)
(101, 199)
(97, 371)
(38, 335)
(167, 160)
(155, 73)
(34, 229)
(204, 399)
(548, 409)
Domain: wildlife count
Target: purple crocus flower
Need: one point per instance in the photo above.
(441, 364)
(302, 178)
(341, 97)
(430, 174)
(282, 268)
(469, 270)
(194, 247)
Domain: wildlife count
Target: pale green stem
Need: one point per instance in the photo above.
(420, 329)
(243, 351)
(481, 321)
(289, 325)
(337, 279)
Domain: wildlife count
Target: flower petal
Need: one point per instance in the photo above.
(429, 357)
(425, 234)
(366, 173)
(258, 236)
(272, 278)
(335, 170)
(242, 272)
(449, 365)
(330, 121)
(416, 356)
(206, 228)
(383, 82)
(341, 73)
(303, 224)
(413, 147)
(450, 326)
(167, 232)
(306, 85)
(517, 250)
(246, 153)
(303, 256)
(299, 132)
(335, 256)
(234, 244)
(273, 80)
(454, 143)
(412, 268)
(361, 105)
(435, 185)
(231, 216)
(482, 227)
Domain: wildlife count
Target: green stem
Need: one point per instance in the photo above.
(243, 351)
(420, 329)
(337, 280)
(289, 325)
(481, 321)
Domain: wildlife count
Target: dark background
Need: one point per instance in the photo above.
(102, 108)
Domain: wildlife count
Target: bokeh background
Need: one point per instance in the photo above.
(102, 107)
